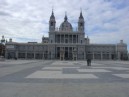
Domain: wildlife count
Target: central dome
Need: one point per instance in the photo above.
(66, 26)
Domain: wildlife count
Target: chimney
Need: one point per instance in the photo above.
(10, 40)
(121, 41)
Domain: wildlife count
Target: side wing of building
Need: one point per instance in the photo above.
(53, 51)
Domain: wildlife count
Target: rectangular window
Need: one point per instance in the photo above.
(81, 41)
(66, 40)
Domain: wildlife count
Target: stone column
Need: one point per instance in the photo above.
(75, 38)
(60, 38)
(55, 52)
(78, 39)
(50, 55)
(26, 55)
(93, 56)
(68, 52)
(34, 55)
(109, 56)
(43, 55)
(55, 39)
(84, 55)
(6, 54)
(16, 54)
(64, 38)
(72, 38)
(68, 38)
(101, 55)
(118, 55)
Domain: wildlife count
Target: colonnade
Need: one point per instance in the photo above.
(68, 53)
(100, 56)
(66, 38)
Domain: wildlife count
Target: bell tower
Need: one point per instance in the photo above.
(52, 22)
(81, 23)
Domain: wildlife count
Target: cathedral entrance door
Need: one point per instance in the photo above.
(70, 53)
(66, 55)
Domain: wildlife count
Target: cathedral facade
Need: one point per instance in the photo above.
(66, 44)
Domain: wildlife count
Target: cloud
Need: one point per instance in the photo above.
(4, 13)
(106, 21)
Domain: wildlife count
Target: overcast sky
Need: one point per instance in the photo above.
(106, 21)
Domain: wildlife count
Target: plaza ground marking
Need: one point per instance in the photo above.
(93, 70)
(122, 75)
(59, 75)
(57, 68)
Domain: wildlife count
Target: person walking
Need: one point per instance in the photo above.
(88, 62)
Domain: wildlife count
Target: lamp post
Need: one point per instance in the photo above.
(2, 48)
(75, 54)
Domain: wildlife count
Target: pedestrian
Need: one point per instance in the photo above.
(15, 58)
(88, 62)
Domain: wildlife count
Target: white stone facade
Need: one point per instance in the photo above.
(66, 44)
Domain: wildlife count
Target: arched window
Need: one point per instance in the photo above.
(81, 24)
(81, 41)
(51, 23)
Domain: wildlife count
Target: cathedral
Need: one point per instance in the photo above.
(64, 43)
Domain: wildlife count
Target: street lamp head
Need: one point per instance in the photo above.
(3, 40)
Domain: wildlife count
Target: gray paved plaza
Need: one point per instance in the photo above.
(51, 78)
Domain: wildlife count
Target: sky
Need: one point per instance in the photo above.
(106, 21)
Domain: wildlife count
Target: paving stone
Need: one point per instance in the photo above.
(42, 78)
